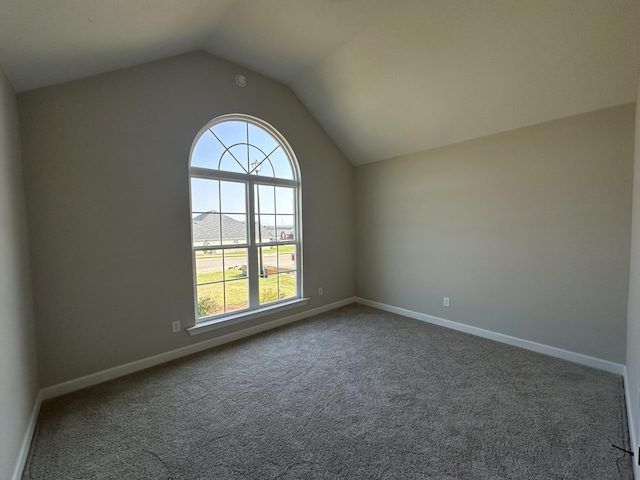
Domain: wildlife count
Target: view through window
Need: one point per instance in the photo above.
(245, 217)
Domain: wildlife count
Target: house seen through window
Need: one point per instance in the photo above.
(245, 217)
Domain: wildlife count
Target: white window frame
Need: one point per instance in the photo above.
(254, 310)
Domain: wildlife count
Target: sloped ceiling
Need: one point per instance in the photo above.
(383, 77)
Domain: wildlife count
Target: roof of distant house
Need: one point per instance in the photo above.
(207, 227)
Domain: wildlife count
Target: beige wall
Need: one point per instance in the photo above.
(106, 166)
(18, 379)
(527, 232)
(633, 325)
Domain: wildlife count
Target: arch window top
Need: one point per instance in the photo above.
(243, 145)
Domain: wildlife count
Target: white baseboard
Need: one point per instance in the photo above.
(121, 370)
(579, 358)
(632, 432)
(26, 441)
(594, 362)
(110, 374)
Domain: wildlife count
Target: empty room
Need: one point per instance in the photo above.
(319, 239)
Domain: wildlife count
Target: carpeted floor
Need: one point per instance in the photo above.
(355, 393)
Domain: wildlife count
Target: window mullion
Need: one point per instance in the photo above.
(252, 253)
(298, 241)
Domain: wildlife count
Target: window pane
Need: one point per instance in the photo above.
(287, 271)
(227, 269)
(235, 264)
(233, 197)
(277, 267)
(207, 151)
(209, 266)
(265, 199)
(233, 218)
(264, 234)
(285, 198)
(268, 268)
(265, 228)
(261, 139)
(268, 289)
(210, 300)
(206, 229)
(231, 133)
(287, 285)
(237, 295)
(281, 164)
(205, 195)
(268, 260)
(286, 258)
(259, 163)
(230, 163)
(234, 230)
(286, 227)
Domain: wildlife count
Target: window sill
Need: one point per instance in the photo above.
(234, 319)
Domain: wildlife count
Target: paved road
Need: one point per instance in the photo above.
(210, 265)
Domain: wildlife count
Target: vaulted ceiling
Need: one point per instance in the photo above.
(383, 77)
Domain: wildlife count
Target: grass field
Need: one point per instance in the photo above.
(211, 297)
(241, 252)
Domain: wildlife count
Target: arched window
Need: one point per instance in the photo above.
(245, 218)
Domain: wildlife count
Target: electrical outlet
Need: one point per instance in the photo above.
(320, 291)
(445, 301)
(175, 326)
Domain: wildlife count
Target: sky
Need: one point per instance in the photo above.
(240, 147)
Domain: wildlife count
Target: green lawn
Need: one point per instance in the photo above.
(243, 252)
(236, 287)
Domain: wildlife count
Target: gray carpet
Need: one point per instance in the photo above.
(355, 393)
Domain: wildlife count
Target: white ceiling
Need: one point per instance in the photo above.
(383, 77)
